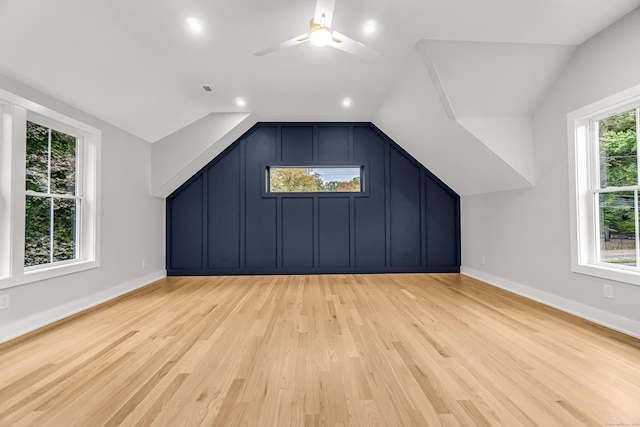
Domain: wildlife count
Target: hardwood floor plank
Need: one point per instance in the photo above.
(330, 350)
(146, 411)
(476, 417)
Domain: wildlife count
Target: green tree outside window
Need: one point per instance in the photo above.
(51, 202)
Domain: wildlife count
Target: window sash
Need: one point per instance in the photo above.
(594, 170)
(77, 243)
(597, 228)
(593, 142)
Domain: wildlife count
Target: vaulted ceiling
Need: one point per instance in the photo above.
(135, 64)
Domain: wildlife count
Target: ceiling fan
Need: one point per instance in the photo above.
(320, 34)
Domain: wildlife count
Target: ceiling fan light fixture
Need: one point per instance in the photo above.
(320, 37)
(321, 34)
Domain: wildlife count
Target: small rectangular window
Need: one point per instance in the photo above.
(289, 179)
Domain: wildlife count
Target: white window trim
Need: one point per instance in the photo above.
(583, 212)
(15, 111)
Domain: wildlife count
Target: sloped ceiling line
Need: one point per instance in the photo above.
(492, 90)
(437, 82)
(177, 157)
(414, 117)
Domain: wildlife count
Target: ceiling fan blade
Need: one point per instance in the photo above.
(324, 7)
(349, 45)
(291, 42)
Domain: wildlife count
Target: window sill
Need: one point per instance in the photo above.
(604, 271)
(47, 273)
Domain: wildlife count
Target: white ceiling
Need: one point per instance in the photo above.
(133, 63)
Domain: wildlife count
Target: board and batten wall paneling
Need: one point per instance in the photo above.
(260, 213)
(333, 144)
(406, 209)
(334, 242)
(224, 212)
(223, 221)
(440, 225)
(371, 212)
(297, 232)
(186, 227)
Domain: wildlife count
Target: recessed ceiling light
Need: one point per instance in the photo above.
(370, 26)
(346, 102)
(240, 102)
(194, 25)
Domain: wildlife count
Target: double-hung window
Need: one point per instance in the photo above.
(606, 188)
(52, 199)
(49, 170)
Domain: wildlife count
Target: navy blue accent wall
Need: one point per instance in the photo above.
(223, 221)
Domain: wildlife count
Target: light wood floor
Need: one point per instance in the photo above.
(388, 350)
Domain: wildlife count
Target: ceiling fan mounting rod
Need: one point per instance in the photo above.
(314, 26)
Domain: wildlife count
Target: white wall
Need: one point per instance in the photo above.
(132, 229)
(524, 234)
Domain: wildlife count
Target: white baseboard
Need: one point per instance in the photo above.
(36, 321)
(610, 320)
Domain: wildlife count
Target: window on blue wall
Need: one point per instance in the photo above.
(308, 179)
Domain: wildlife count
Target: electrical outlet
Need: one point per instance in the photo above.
(483, 260)
(608, 291)
(4, 302)
(144, 263)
